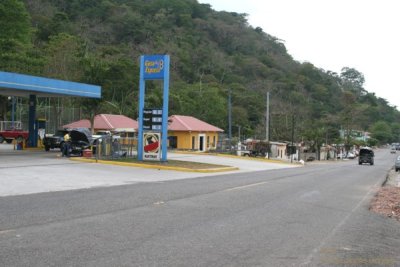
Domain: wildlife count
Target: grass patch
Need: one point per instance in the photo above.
(174, 163)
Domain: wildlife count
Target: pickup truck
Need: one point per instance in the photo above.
(256, 148)
(17, 134)
(54, 141)
(253, 149)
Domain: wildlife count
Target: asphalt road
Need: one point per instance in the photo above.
(312, 216)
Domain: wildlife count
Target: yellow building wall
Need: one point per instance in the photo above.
(184, 139)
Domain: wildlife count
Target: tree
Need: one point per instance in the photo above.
(16, 53)
(315, 135)
(395, 132)
(347, 117)
(94, 73)
(381, 131)
(99, 42)
(64, 54)
(208, 104)
(14, 23)
(353, 80)
(58, 24)
(15, 43)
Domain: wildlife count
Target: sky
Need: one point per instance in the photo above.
(332, 34)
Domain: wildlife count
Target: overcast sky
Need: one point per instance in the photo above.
(332, 34)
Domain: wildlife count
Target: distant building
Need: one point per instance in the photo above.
(186, 132)
(108, 122)
(279, 150)
(355, 134)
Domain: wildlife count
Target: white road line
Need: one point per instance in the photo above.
(244, 186)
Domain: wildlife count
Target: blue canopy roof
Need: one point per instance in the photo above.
(13, 84)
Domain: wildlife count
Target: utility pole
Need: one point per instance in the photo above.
(267, 120)
(291, 150)
(267, 126)
(230, 119)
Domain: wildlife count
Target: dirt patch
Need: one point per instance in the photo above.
(387, 202)
(177, 163)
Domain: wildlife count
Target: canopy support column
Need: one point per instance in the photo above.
(32, 116)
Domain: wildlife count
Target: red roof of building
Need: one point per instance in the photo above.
(107, 122)
(122, 123)
(188, 123)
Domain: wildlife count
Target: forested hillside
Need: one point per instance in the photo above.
(212, 54)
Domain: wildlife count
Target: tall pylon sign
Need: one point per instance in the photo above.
(153, 122)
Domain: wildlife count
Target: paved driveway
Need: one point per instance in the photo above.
(28, 172)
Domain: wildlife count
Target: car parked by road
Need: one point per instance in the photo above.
(10, 134)
(54, 141)
(397, 164)
(81, 139)
(396, 146)
(241, 150)
(346, 155)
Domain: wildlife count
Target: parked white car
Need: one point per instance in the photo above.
(348, 155)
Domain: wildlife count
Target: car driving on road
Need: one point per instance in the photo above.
(366, 156)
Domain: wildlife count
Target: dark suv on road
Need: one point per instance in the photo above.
(54, 141)
(366, 155)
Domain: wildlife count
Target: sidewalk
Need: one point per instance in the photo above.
(28, 172)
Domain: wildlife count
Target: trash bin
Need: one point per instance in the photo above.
(19, 146)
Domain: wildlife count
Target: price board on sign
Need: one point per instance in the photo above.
(152, 120)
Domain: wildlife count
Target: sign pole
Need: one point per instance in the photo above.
(142, 87)
(164, 135)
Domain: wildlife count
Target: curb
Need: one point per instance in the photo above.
(233, 156)
(254, 158)
(159, 167)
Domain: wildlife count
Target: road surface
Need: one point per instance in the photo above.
(312, 216)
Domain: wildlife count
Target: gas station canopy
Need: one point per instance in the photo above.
(13, 84)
